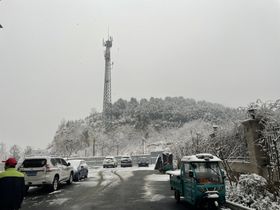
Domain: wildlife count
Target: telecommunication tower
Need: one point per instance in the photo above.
(107, 82)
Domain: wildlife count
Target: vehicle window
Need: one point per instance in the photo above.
(63, 162)
(207, 172)
(187, 169)
(33, 163)
(54, 161)
(58, 161)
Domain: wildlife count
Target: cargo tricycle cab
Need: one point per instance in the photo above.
(203, 181)
(164, 162)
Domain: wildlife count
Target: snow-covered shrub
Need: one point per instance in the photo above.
(251, 191)
(252, 183)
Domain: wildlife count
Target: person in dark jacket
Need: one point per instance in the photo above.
(12, 188)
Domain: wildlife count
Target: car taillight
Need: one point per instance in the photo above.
(48, 168)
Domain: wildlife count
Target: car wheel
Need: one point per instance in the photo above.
(70, 180)
(77, 177)
(26, 189)
(177, 196)
(55, 184)
(86, 176)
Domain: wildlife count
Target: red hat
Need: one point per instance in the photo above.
(10, 162)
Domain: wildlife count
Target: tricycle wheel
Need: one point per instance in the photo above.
(177, 196)
(213, 205)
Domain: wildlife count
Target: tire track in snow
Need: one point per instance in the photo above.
(118, 175)
(100, 174)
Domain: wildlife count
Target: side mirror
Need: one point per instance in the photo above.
(178, 177)
(82, 167)
(191, 174)
(68, 164)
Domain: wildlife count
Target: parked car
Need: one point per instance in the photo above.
(143, 161)
(110, 161)
(46, 171)
(80, 169)
(126, 161)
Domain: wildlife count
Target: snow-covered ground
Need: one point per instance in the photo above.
(250, 191)
(150, 194)
(109, 177)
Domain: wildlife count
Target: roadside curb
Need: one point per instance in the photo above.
(236, 206)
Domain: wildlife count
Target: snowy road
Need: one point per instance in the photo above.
(116, 189)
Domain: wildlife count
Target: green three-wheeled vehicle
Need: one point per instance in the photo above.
(200, 180)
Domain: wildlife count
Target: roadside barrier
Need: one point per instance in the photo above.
(236, 206)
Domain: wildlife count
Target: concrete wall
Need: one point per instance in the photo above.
(242, 167)
(257, 159)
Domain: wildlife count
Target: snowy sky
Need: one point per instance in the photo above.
(52, 64)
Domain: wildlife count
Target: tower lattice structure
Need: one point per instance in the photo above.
(107, 81)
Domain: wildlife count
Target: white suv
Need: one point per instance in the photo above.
(46, 171)
(110, 161)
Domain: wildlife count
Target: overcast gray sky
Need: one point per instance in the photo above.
(52, 64)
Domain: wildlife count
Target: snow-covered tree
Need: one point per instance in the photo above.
(15, 151)
(27, 151)
(3, 151)
(71, 137)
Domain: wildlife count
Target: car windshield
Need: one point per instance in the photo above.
(74, 163)
(34, 163)
(207, 172)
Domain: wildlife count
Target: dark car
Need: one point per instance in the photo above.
(80, 169)
(126, 161)
(143, 162)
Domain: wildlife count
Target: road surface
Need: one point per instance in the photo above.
(116, 189)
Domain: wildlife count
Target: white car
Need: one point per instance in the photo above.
(110, 161)
(46, 171)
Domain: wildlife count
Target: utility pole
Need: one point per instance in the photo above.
(93, 146)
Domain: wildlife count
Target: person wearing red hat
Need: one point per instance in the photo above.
(12, 188)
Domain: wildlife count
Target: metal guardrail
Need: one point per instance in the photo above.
(236, 206)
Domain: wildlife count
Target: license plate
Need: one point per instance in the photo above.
(31, 173)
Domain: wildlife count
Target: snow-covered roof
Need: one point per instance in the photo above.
(202, 157)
